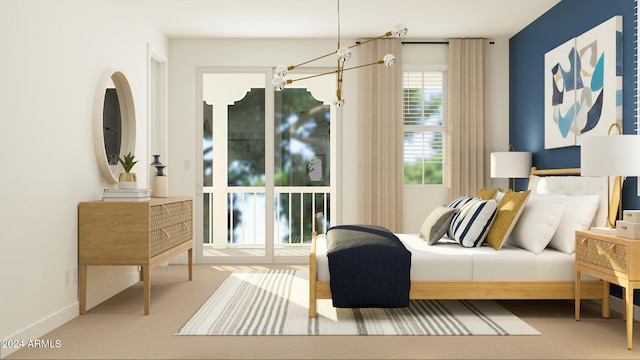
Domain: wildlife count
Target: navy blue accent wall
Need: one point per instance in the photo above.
(568, 19)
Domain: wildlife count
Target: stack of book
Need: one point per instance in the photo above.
(126, 195)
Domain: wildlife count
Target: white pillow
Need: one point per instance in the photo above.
(538, 222)
(578, 215)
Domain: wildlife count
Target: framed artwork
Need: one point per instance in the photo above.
(559, 96)
(583, 85)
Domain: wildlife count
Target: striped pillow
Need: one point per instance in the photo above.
(460, 201)
(469, 227)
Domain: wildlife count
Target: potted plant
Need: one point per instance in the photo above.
(127, 179)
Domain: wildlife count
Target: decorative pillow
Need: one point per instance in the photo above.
(437, 224)
(578, 214)
(485, 194)
(460, 201)
(509, 210)
(470, 225)
(538, 222)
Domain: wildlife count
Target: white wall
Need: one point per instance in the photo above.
(186, 55)
(53, 53)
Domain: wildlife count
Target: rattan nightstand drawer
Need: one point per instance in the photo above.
(604, 254)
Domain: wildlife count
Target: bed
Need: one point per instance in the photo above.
(518, 270)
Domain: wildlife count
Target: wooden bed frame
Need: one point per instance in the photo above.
(479, 290)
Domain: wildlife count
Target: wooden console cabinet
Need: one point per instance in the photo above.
(143, 233)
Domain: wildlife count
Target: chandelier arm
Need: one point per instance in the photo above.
(387, 34)
(379, 62)
(311, 76)
(339, 72)
(291, 67)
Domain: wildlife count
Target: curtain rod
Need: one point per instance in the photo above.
(432, 42)
(427, 42)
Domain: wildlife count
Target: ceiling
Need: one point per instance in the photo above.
(425, 19)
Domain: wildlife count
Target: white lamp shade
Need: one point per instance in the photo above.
(512, 164)
(614, 155)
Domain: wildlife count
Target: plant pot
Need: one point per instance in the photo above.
(127, 181)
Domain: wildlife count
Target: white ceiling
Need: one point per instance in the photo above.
(426, 19)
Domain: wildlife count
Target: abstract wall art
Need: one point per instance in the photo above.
(583, 85)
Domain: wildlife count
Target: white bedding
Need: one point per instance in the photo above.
(448, 261)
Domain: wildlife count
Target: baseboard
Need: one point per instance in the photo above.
(42, 327)
(57, 319)
(109, 291)
(616, 304)
(181, 259)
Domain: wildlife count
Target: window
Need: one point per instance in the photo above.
(424, 126)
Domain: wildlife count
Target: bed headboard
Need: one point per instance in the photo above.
(565, 181)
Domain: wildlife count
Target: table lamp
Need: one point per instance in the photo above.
(611, 155)
(511, 165)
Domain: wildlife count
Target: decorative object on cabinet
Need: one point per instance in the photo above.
(613, 259)
(114, 123)
(583, 85)
(629, 226)
(127, 179)
(160, 181)
(126, 195)
(148, 234)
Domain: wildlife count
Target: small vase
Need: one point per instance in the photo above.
(160, 188)
(160, 185)
(127, 181)
(156, 160)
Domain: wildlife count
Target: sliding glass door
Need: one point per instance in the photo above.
(266, 165)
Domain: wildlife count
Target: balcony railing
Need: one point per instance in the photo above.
(297, 212)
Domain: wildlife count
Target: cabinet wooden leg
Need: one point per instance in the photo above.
(82, 288)
(629, 314)
(147, 288)
(190, 255)
(606, 308)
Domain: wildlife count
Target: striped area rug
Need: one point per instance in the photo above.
(275, 302)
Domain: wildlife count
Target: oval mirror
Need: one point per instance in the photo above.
(114, 123)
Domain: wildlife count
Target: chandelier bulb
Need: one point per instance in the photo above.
(400, 30)
(389, 60)
(278, 83)
(344, 54)
(282, 70)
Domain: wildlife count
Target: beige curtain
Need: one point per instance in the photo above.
(380, 137)
(468, 148)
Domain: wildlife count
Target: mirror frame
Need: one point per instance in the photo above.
(128, 120)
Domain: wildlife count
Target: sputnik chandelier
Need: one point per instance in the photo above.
(343, 54)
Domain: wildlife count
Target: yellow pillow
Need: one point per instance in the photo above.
(485, 194)
(509, 210)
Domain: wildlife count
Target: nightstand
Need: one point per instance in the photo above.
(613, 259)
